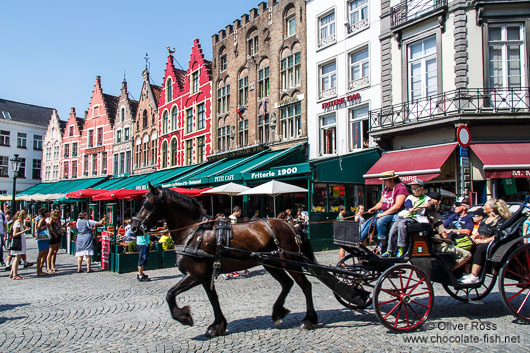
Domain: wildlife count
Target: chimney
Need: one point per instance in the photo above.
(72, 111)
(98, 80)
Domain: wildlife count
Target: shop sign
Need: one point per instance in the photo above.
(223, 178)
(238, 153)
(356, 134)
(342, 102)
(520, 173)
(185, 183)
(290, 100)
(408, 178)
(279, 172)
(95, 150)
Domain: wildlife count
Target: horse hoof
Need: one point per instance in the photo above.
(308, 326)
(210, 333)
(278, 322)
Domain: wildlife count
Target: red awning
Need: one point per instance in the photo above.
(190, 192)
(120, 194)
(423, 163)
(85, 193)
(504, 160)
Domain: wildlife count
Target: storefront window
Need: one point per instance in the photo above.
(319, 198)
(335, 196)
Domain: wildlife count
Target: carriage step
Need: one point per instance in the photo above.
(353, 295)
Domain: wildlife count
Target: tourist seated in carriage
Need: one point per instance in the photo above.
(414, 211)
(391, 202)
(444, 244)
(497, 212)
(460, 223)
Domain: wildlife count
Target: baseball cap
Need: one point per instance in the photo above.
(417, 182)
(464, 202)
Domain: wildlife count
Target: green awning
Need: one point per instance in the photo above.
(159, 177)
(190, 178)
(61, 187)
(348, 168)
(109, 184)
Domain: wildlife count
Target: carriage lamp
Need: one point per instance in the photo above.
(15, 167)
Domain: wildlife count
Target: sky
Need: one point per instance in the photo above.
(52, 51)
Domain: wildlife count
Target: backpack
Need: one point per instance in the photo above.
(9, 234)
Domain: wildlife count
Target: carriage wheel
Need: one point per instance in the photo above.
(403, 298)
(353, 280)
(467, 294)
(514, 283)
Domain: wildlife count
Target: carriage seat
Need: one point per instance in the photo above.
(421, 239)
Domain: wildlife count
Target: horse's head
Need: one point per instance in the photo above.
(151, 212)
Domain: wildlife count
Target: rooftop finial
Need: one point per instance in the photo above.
(124, 76)
(169, 50)
(146, 58)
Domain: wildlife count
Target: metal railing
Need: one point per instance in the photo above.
(458, 102)
(410, 10)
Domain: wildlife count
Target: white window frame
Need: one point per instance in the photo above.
(363, 66)
(223, 99)
(243, 90)
(362, 22)
(290, 71)
(194, 82)
(364, 108)
(291, 121)
(423, 61)
(331, 77)
(504, 43)
(253, 45)
(323, 128)
(329, 27)
(290, 25)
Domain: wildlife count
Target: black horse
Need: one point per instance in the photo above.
(182, 213)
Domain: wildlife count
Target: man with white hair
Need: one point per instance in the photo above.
(459, 223)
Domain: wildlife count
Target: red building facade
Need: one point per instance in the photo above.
(185, 112)
(71, 144)
(97, 136)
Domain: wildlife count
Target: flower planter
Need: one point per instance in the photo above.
(128, 262)
(169, 258)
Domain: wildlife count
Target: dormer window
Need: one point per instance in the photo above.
(6, 115)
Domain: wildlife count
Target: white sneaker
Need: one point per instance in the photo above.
(470, 279)
(463, 277)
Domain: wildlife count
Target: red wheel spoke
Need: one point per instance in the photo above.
(414, 311)
(394, 308)
(406, 315)
(401, 282)
(388, 301)
(393, 285)
(523, 303)
(408, 281)
(389, 292)
(415, 295)
(517, 284)
(516, 258)
(516, 294)
(515, 273)
(420, 304)
(416, 285)
(397, 316)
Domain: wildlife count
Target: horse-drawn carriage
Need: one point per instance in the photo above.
(399, 288)
(402, 292)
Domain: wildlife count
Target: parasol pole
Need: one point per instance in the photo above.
(211, 197)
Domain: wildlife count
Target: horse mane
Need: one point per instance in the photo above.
(185, 203)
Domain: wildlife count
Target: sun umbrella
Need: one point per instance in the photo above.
(230, 189)
(273, 188)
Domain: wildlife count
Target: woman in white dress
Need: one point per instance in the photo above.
(18, 231)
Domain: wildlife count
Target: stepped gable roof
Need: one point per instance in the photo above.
(111, 102)
(26, 113)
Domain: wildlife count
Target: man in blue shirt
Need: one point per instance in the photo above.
(142, 241)
(459, 223)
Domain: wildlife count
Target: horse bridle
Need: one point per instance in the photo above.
(150, 207)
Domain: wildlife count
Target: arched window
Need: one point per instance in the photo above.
(223, 61)
(169, 90)
(165, 122)
(163, 155)
(252, 42)
(290, 22)
(174, 114)
(174, 152)
(144, 119)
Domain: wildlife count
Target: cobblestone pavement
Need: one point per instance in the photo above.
(89, 312)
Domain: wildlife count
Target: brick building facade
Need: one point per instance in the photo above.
(71, 140)
(96, 144)
(123, 128)
(185, 120)
(259, 78)
(145, 128)
(52, 149)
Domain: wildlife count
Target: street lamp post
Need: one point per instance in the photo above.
(15, 166)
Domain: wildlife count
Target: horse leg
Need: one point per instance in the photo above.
(278, 310)
(182, 315)
(218, 327)
(310, 320)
